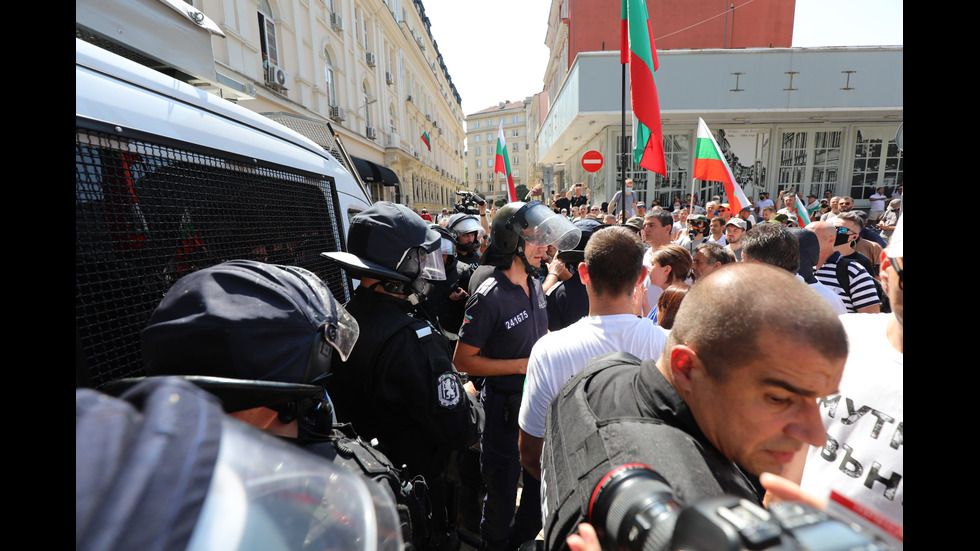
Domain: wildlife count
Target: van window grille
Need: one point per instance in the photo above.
(147, 214)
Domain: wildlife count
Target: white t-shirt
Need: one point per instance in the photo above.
(864, 455)
(559, 355)
(878, 201)
(828, 294)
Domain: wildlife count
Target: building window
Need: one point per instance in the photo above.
(515, 133)
(267, 34)
(489, 138)
(477, 124)
(490, 163)
(331, 87)
(877, 162)
(515, 118)
(477, 150)
(478, 141)
(478, 164)
(479, 175)
(810, 161)
(516, 148)
(357, 24)
(514, 160)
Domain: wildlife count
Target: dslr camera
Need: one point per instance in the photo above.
(634, 508)
(469, 202)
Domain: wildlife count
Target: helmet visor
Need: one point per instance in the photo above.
(468, 224)
(340, 329)
(546, 227)
(433, 267)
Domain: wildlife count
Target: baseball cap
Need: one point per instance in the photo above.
(587, 226)
(635, 222)
(737, 222)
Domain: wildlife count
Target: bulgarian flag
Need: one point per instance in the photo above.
(801, 215)
(501, 164)
(638, 50)
(425, 138)
(710, 165)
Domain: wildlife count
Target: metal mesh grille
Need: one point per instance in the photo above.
(147, 214)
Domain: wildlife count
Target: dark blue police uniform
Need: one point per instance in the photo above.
(568, 302)
(399, 386)
(503, 322)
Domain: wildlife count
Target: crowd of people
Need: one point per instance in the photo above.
(530, 350)
(661, 255)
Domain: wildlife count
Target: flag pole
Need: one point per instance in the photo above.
(624, 154)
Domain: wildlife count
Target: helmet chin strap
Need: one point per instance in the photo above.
(534, 271)
(401, 292)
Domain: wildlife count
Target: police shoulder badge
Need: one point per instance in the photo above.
(448, 389)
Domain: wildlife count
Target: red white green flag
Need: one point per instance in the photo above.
(501, 164)
(801, 215)
(425, 140)
(638, 50)
(710, 165)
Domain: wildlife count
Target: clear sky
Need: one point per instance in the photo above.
(508, 61)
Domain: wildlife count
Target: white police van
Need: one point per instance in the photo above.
(170, 179)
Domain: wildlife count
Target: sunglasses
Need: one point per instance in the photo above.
(844, 230)
(596, 208)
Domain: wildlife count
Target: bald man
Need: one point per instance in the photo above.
(851, 281)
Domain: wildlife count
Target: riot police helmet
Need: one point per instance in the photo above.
(243, 320)
(517, 224)
(461, 224)
(392, 244)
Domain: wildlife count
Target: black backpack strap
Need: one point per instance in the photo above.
(843, 275)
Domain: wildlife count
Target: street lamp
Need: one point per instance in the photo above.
(365, 106)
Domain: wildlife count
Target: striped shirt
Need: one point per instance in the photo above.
(862, 293)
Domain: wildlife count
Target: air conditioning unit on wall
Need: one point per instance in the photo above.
(275, 76)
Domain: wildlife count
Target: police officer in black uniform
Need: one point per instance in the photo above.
(568, 300)
(399, 384)
(505, 316)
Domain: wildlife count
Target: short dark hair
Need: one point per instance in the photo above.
(772, 244)
(760, 302)
(716, 253)
(665, 218)
(614, 259)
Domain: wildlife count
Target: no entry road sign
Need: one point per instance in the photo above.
(592, 161)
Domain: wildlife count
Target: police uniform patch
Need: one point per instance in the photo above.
(449, 390)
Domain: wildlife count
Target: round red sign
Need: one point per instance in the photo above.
(592, 161)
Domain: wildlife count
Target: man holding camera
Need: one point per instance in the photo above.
(714, 412)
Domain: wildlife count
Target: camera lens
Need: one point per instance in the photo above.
(633, 507)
